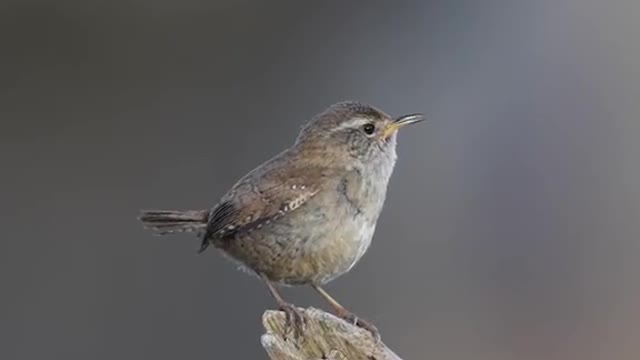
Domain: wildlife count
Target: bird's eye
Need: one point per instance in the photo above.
(369, 129)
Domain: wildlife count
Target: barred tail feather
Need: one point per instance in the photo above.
(164, 222)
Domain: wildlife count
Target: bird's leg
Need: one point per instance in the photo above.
(295, 317)
(345, 314)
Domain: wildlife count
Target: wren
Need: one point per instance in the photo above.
(307, 215)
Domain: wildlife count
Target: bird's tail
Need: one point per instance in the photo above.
(164, 222)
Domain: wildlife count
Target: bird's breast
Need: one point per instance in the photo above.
(319, 241)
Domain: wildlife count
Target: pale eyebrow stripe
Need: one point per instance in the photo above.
(355, 122)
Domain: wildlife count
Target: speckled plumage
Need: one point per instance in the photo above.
(307, 215)
(311, 221)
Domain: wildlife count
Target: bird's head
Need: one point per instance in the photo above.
(349, 131)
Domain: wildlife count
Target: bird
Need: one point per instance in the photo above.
(307, 215)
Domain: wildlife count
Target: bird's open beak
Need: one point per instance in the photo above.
(400, 122)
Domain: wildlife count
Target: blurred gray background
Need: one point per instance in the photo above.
(512, 226)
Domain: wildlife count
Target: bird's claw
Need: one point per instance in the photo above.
(361, 323)
(294, 317)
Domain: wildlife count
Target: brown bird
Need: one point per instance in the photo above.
(307, 215)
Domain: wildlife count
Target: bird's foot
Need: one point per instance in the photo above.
(295, 318)
(361, 323)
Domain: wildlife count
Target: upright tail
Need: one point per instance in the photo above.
(164, 222)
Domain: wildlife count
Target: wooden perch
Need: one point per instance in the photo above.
(325, 337)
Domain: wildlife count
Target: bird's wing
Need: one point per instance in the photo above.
(262, 197)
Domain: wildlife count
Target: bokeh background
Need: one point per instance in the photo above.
(512, 226)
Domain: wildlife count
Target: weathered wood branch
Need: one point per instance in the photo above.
(325, 337)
